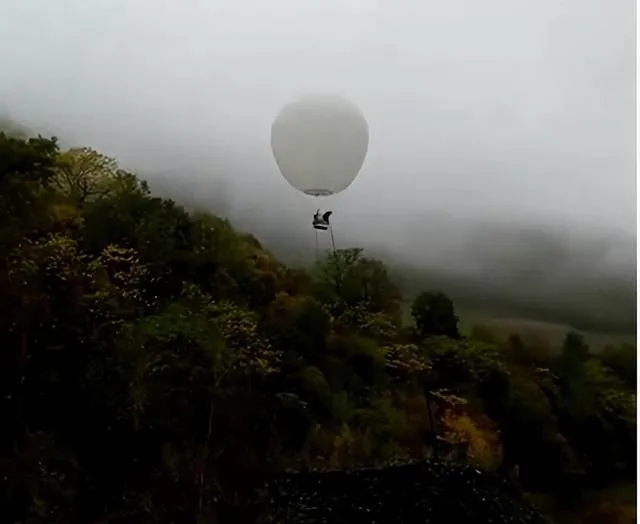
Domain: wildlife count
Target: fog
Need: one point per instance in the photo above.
(502, 133)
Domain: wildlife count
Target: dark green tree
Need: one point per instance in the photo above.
(157, 365)
(622, 360)
(346, 279)
(434, 315)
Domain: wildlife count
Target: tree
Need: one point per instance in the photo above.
(573, 358)
(83, 173)
(299, 327)
(159, 364)
(476, 438)
(26, 169)
(346, 279)
(574, 350)
(622, 360)
(434, 315)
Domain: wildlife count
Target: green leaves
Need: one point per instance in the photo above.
(466, 360)
(434, 315)
(83, 174)
(252, 351)
(622, 360)
(406, 360)
(156, 362)
(26, 169)
(347, 280)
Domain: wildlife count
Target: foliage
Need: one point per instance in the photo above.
(346, 279)
(434, 315)
(475, 440)
(83, 173)
(622, 360)
(157, 365)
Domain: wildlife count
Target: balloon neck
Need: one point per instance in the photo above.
(318, 192)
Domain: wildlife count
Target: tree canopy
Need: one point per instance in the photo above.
(157, 365)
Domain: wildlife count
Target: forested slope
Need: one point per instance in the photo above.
(159, 366)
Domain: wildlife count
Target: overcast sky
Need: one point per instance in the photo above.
(492, 108)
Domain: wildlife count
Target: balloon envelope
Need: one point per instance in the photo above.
(320, 143)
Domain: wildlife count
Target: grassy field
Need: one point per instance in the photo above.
(548, 334)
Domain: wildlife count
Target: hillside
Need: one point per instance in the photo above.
(567, 274)
(159, 365)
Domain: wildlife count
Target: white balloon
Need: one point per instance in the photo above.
(320, 143)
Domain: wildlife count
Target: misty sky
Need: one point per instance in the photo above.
(493, 108)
